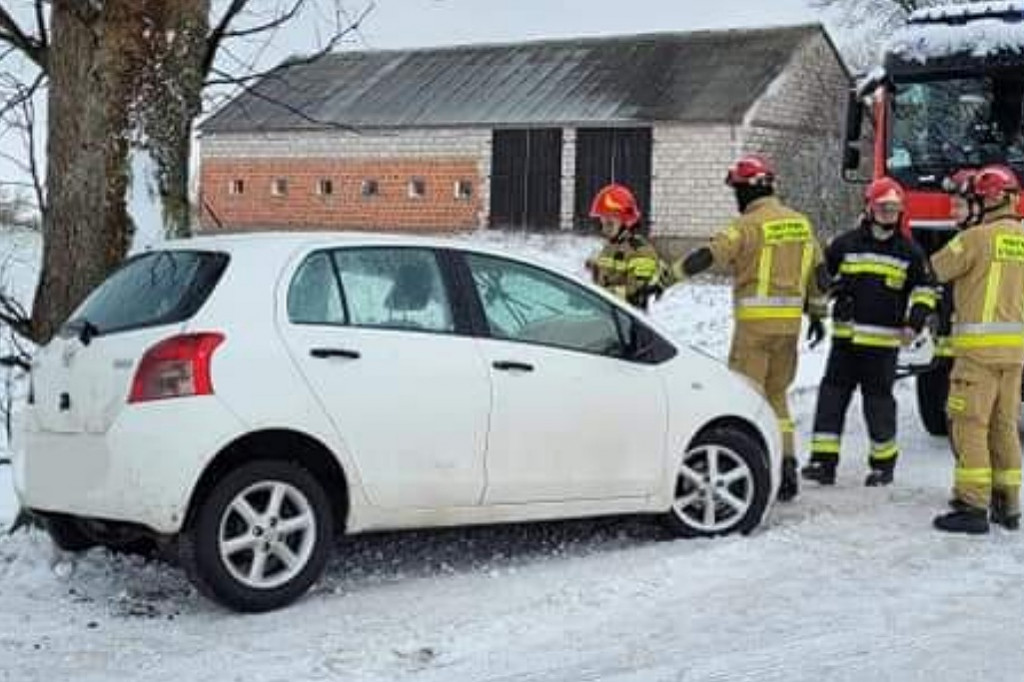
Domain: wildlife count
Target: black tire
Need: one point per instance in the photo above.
(68, 533)
(199, 546)
(735, 446)
(932, 392)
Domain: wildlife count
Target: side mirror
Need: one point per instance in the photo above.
(854, 117)
(851, 159)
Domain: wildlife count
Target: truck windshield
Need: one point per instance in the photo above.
(940, 126)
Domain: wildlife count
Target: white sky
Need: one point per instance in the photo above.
(403, 23)
(416, 23)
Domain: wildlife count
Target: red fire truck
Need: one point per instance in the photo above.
(949, 95)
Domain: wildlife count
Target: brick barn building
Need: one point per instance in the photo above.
(522, 135)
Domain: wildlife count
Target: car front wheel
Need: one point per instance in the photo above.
(260, 537)
(722, 485)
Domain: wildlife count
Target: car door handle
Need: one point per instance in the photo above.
(511, 366)
(323, 353)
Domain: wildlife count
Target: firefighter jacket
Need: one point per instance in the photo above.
(628, 267)
(772, 253)
(986, 266)
(877, 285)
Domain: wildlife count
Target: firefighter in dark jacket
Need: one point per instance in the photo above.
(881, 285)
(628, 266)
(772, 253)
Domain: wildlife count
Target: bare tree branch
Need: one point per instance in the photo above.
(275, 23)
(216, 37)
(32, 47)
(326, 48)
(22, 93)
(43, 32)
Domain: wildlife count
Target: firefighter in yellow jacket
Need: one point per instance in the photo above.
(986, 265)
(628, 266)
(772, 254)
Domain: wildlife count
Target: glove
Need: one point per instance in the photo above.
(815, 332)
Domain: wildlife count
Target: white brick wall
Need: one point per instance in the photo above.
(688, 195)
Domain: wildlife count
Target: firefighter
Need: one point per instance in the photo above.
(881, 285)
(628, 266)
(986, 266)
(771, 252)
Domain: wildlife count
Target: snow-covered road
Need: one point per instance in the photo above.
(845, 584)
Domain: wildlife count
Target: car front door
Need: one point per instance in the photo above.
(372, 331)
(571, 418)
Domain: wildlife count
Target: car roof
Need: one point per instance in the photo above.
(289, 242)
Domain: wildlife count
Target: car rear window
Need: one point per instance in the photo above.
(156, 288)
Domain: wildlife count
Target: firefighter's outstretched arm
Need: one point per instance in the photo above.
(694, 263)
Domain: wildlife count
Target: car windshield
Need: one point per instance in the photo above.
(940, 126)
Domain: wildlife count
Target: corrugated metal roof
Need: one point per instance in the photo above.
(689, 77)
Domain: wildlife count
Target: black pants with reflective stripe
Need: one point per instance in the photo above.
(873, 370)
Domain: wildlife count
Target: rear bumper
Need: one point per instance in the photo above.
(141, 471)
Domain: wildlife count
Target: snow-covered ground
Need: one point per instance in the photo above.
(844, 584)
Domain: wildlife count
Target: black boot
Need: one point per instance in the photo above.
(964, 519)
(879, 477)
(1000, 513)
(822, 472)
(790, 486)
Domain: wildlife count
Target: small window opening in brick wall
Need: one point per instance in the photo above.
(370, 188)
(463, 189)
(236, 187)
(279, 187)
(417, 188)
(325, 187)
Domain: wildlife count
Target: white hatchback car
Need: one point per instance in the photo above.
(243, 399)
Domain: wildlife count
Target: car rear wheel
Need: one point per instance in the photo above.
(722, 485)
(260, 537)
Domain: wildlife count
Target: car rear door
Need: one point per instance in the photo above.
(373, 332)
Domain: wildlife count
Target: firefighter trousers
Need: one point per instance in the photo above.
(769, 360)
(873, 370)
(984, 408)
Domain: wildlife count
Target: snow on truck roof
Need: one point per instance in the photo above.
(978, 30)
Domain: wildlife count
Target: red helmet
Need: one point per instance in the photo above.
(992, 182)
(616, 201)
(751, 169)
(884, 191)
(961, 183)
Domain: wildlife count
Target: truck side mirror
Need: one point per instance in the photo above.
(851, 158)
(854, 117)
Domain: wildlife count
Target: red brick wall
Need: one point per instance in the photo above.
(346, 208)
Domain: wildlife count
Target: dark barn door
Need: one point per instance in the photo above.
(605, 155)
(526, 178)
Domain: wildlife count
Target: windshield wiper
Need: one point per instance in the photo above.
(83, 329)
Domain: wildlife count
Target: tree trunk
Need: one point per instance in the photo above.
(169, 95)
(86, 230)
(131, 73)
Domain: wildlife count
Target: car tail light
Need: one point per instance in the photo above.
(175, 368)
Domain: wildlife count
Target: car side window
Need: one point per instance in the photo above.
(313, 296)
(523, 303)
(394, 288)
